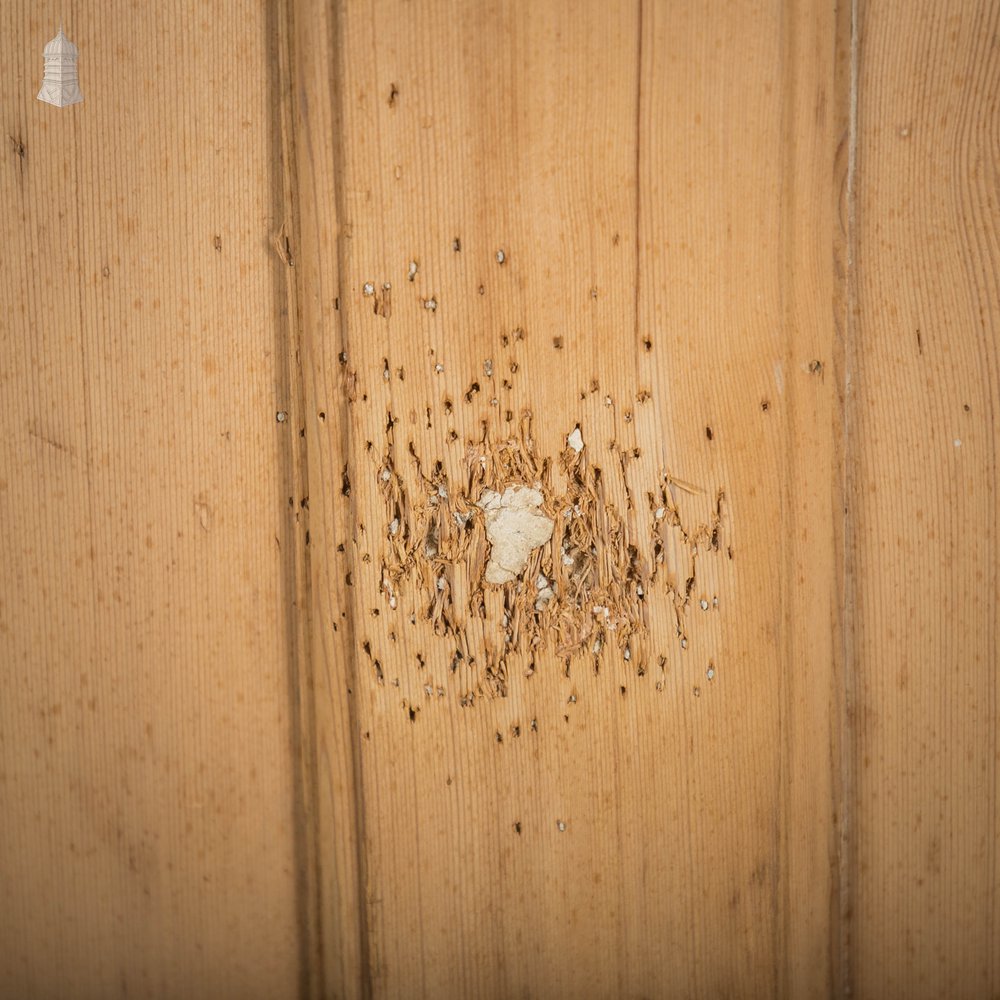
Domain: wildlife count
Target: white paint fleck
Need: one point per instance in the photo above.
(545, 594)
(281, 416)
(684, 644)
(958, 442)
(575, 440)
(386, 475)
(430, 304)
(394, 526)
(703, 604)
(628, 653)
(514, 526)
(660, 512)
(441, 582)
(369, 288)
(501, 256)
(710, 673)
(560, 826)
(411, 271)
(443, 492)
(488, 367)
(438, 368)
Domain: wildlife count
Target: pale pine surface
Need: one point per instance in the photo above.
(923, 504)
(147, 785)
(667, 283)
(262, 732)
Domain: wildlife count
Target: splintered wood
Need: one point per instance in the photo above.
(572, 775)
(585, 585)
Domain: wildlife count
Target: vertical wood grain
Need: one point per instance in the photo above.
(738, 290)
(923, 503)
(146, 762)
(264, 731)
(334, 810)
(595, 238)
(737, 293)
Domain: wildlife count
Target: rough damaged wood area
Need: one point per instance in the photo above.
(579, 580)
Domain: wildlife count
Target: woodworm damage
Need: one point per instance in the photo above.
(486, 558)
(526, 555)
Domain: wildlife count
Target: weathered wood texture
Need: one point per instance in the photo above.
(147, 779)
(923, 423)
(552, 216)
(266, 730)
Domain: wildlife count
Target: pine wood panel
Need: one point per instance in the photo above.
(588, 247)
(334, 813)
(264, 729)
(923, 503)
(147, 781)
(738, 294)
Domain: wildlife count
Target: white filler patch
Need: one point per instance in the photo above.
(514, 526)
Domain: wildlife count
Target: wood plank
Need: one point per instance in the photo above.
(147, 778)
(923, 553)
(623, 220)
(338, 955)
(738, 290)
